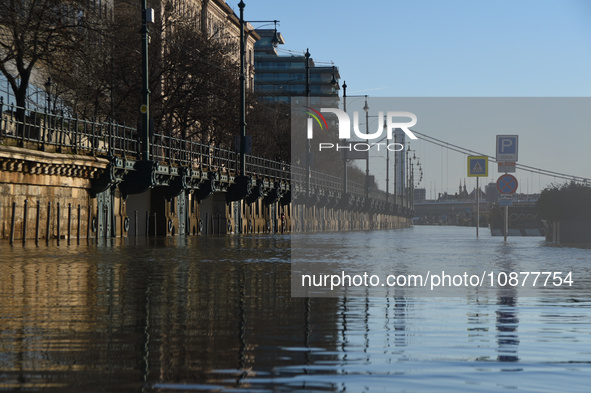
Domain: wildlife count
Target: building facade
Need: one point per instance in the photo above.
(280, 77)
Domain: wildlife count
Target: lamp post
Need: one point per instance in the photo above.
(366, 109)
(147, 17)
(274, 41)
(406, 194)
(308, 153)
(387, 166)
(241, 5)
(411, 176)
(344, 140)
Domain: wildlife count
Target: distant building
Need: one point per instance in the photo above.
(492, 193)
(280, 77)
(420, 195)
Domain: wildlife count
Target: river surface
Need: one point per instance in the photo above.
(215, 313)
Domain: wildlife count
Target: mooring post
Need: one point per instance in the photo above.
(69, 221)
(98, 224)
(37, 218)
(88, 224)
(78, 225)
(48, 226)
(25, 222)
(12, 223)
(58, 223)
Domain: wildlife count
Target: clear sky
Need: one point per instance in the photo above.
(454, 48)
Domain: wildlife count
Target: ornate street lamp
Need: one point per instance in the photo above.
(274, 41)
(366, 109)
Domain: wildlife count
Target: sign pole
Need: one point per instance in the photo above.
(477, 167)
(506, 221)
(477, 207)
(507, 148)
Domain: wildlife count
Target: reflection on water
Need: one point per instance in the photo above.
(210, 313)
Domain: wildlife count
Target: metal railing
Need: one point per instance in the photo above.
(61, 133)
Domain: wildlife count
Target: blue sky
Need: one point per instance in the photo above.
(455, 48)
(443, 47)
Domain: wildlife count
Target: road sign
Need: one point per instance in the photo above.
(505, 200)
(507, 147)
(507, 184)
(477, 166)
(506, 166)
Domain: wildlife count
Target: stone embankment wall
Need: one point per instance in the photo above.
(35, 186)
(46, 196)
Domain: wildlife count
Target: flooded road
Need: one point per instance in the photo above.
(216, 314)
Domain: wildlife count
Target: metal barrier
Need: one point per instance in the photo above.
(60, 133)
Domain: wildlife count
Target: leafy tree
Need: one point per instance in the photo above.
(571, 201)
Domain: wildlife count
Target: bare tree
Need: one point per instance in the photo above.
(199, 89)
(35, 36)
(269, 124)
(95, 60)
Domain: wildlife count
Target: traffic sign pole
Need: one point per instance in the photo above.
(507, 148)
(477, 206)
(507, 184)
(506, 222)
(477, 167)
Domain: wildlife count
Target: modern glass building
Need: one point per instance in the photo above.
(280, 77)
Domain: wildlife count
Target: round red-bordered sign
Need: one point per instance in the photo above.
(507, 184)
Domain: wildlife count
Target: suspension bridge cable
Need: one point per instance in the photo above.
(527, 168)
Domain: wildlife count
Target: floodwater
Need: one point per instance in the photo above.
(215, 313)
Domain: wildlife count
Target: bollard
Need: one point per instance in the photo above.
(12, 223)
(135, 222)
(147, 222)
(69, 221)
(107, 222)
(88, 224)
(96, 227)
(155, 228)
(78, 226)
(25, 222)
(37, 218)
(58, 223)
(48, 227)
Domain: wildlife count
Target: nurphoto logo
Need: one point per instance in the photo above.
(388, 125)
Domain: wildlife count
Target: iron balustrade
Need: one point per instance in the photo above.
(70, 134)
